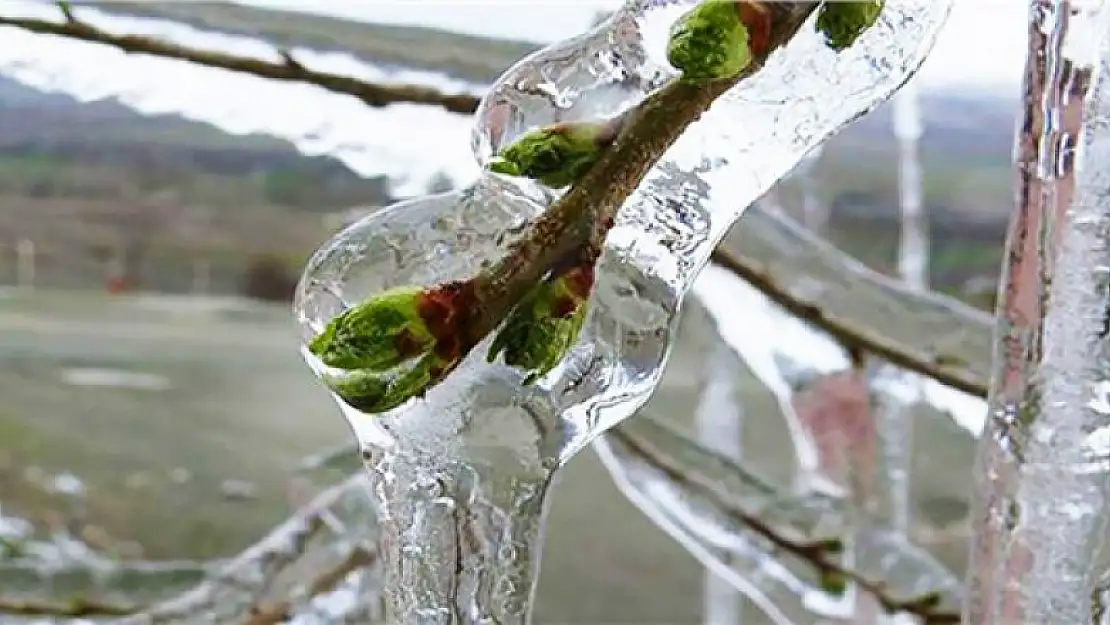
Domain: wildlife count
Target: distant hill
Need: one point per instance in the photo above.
(105, 132)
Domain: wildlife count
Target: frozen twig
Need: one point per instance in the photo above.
(816, 553)
(288, 69)
(77, 608)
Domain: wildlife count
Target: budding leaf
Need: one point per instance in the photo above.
(843, 22)
(372, 392)
(710, 42)
(376, 335)
(542, 328)
(831, 546)
(556, 155)
(833, 582)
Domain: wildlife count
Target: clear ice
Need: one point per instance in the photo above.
(461, 475)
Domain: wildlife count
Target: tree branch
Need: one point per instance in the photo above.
(77, 608)
(288, 69)
(816, 554)
(281, 611)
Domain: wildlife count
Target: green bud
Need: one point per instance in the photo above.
(373, 393)
(376, 335)
(541, 329)
(557, 155)
(843, 22)
(833, 582)
(709, 42)
(831, 545)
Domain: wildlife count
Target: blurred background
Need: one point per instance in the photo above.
(154, 218)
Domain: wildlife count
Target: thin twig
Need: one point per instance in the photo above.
(287, 69)
(75, 608)
(253, 570)
(849, 334)
(815, 553)
(326, 581)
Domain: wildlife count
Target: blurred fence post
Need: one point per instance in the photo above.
(913, 249)
(25, 263)
(913, 268)
(719, 417)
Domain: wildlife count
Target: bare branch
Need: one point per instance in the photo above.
(327, 580)
(287, 70)
(816, 554)
(926, 333)
(76, 608)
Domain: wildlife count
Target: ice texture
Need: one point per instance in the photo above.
(462, 473)
(1039, 553)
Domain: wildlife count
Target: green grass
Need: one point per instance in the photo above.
(219, 399)
(243, 406)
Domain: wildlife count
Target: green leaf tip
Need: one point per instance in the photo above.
(373, 393)
(556, 155)
(710, 42)
(376, 335)
(834, 582)
(544, 325)
(831, 545)
(501, 166)
(843, 22)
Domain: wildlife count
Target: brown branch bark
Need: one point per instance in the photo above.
(77, 608)
(288, 69)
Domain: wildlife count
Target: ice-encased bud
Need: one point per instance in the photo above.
(376, 335)
(556, 155)
(372, 302)
(544, 326)
(710, 42)
(597, 75)
(843, 22)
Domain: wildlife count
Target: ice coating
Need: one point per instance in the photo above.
(462, 473)
(1039, 553)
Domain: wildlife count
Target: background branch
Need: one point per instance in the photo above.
(288, 69)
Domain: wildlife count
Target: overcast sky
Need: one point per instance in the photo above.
(982, 46)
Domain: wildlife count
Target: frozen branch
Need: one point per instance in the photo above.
(288, 69)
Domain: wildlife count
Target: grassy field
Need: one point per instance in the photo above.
(241, 405)
(237, 403)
